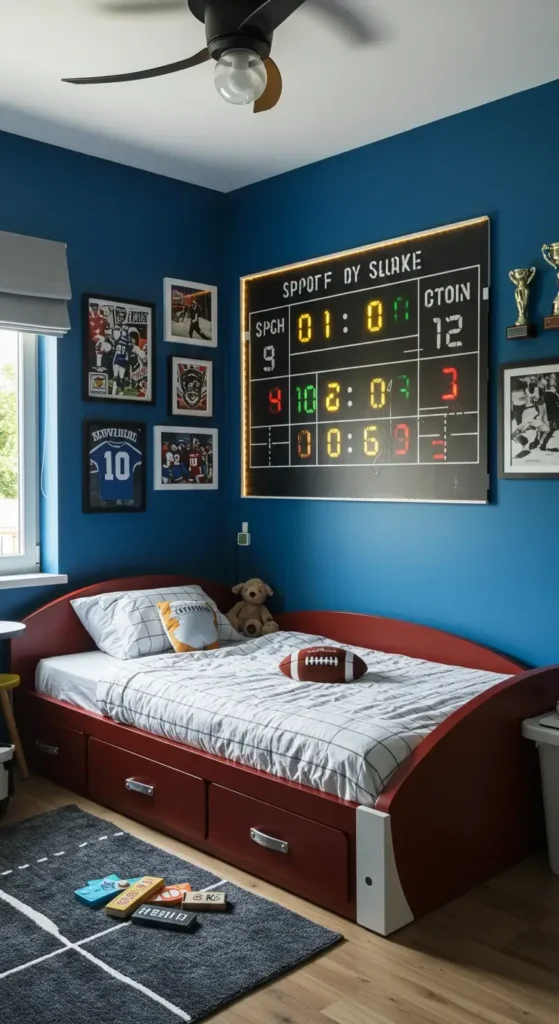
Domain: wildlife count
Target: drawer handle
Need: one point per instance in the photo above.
(46, 748)
(278, 845)
(139, 787)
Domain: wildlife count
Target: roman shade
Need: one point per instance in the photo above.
(34, 285)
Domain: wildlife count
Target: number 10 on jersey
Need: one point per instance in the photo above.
(114, 466)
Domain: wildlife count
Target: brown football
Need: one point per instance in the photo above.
(323, 665)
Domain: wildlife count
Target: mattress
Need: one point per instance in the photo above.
(74, 677)
(346, 740)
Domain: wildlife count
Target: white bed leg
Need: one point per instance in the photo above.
(381, 904)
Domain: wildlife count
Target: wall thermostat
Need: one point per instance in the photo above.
(243, 538)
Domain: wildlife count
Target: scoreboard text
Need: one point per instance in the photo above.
(365, 373)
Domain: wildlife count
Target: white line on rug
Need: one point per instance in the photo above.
(41, 860)
(49, 926)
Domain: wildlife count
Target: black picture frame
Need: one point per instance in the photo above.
(93, 500)
(527, 426)
(99, 366)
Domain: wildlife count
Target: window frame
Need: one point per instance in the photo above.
(28, 477)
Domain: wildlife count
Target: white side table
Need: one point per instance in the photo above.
(10, 629)
(544, 731)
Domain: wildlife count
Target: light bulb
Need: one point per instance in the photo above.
(240, 76)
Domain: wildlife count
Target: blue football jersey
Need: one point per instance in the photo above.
(123, 345)
(115, 462)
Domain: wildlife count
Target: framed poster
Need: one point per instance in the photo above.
(529, 420)
(118, 358)
(114, 466)
(190, 387)
(190, 312)
(185, 459)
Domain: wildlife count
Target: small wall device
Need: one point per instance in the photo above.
(243, 538)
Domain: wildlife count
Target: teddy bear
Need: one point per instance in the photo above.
(249, 616)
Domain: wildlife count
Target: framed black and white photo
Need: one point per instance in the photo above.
(190, 387)
(529, 419)
(190, 312)
(114, 466)
(118, 357)
(185, 459)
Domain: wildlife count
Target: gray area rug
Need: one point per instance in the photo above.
(61, 962)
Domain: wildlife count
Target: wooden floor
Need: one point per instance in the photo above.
(491, 956)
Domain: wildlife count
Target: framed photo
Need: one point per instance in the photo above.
(118, 360)
(529, 419)
(114, 466)
(190, 387)
(190, 312)
(185, 459)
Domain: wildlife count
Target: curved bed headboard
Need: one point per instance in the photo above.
(398, 637)
(55, 628)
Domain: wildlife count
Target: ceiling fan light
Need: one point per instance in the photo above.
(240, 76)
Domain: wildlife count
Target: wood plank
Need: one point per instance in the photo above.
(398, 1011)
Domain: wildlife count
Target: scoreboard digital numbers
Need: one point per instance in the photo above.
(365, 373)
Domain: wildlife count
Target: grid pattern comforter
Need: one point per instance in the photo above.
(346, 740)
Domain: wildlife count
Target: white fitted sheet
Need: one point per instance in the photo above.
(74, 677)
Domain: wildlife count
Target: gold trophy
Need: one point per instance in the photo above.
(550, 254)
(522, 279)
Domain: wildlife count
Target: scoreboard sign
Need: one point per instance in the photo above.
(365, 373)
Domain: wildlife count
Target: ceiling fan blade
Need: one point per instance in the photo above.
(272, 93)
(343, 19)
(134, 76)
(268, 15)
(142, 6)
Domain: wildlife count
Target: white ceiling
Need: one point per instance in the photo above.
(437, 57)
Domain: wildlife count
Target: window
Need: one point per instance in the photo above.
(19, 454)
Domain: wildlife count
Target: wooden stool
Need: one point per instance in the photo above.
(9, 682)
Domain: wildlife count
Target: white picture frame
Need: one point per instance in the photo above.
(185, 458)
(529, 420)
(179, 299)
(190, 386)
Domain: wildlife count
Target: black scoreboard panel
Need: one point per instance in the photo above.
(365, 373)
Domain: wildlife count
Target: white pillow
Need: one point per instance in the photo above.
(127, 624)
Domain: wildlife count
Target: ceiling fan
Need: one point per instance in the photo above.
(239, 37)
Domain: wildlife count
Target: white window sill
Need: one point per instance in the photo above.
(31, 579)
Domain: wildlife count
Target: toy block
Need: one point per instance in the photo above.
(130, 899)
(171, 895)
(164, 917)
(201, 901)
(99, 891)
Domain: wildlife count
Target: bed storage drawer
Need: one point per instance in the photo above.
(58, 753)
(303, 855)
(147, 790)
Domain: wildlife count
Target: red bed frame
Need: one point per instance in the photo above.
(464, 806)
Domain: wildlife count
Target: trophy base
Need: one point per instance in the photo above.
(519, 331)
(551, 323)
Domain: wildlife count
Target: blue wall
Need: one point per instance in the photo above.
(486, 572)
(126, 230)
(482, 571)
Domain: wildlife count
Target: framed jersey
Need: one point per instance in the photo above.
(185, 459)
(118, 360)
(114, 466)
